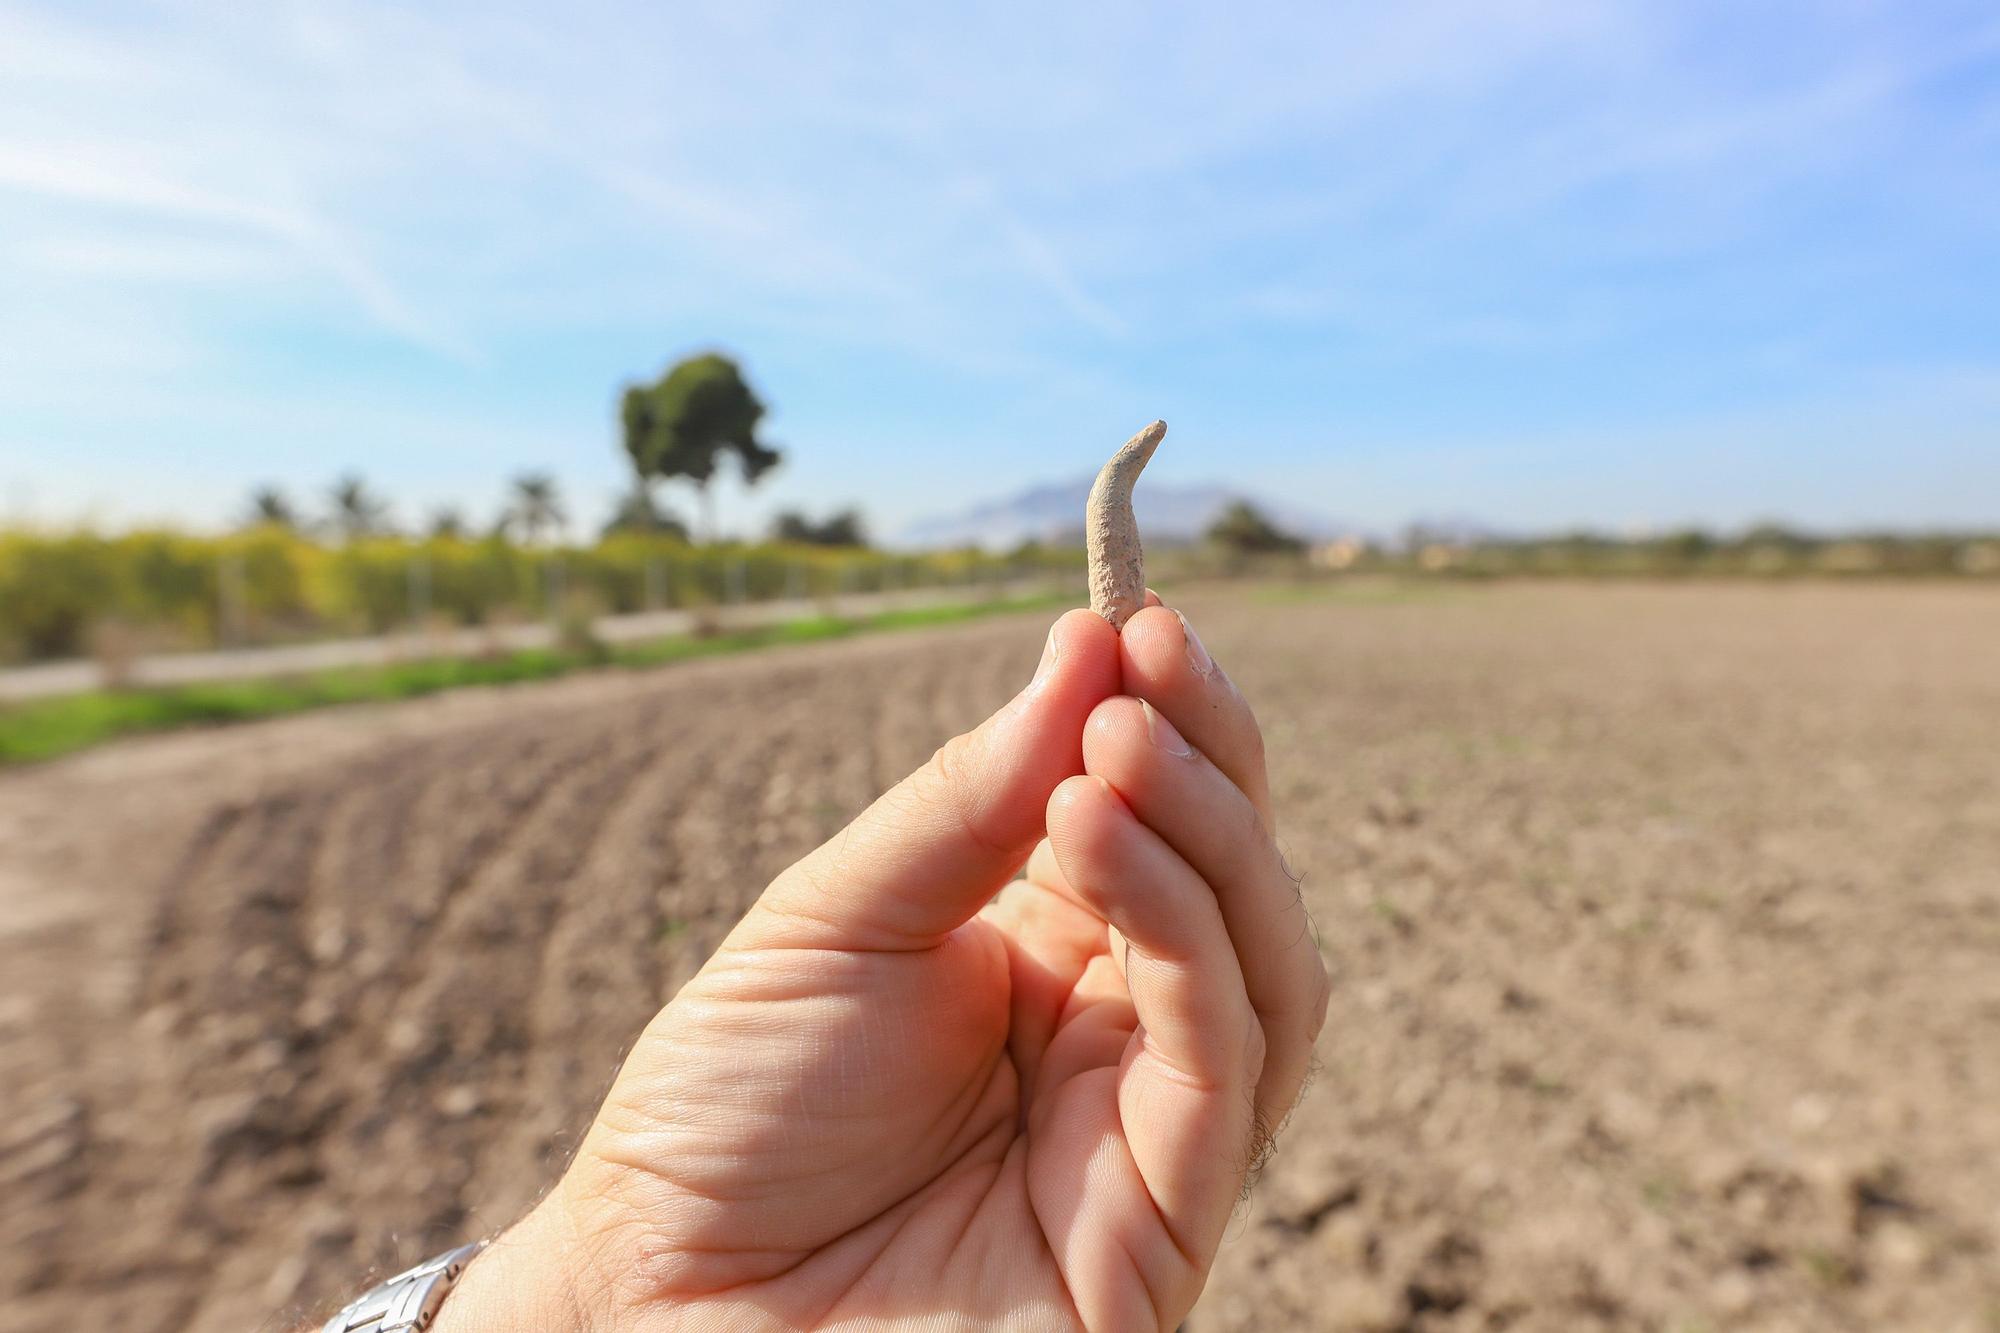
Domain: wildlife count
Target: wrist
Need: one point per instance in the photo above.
(531, 1278)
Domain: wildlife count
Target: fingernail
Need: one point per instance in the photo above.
(1198, 657)
(1162, 734)
(1050, 652)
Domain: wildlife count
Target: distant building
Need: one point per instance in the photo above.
(1341, 553)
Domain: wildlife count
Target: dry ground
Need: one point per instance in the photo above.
(1665, 924)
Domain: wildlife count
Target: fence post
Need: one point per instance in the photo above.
(652, 576)
(231, 617)
(420, 592)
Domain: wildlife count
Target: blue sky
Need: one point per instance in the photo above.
(1542, 263)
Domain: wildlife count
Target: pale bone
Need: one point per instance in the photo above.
(1117, 562)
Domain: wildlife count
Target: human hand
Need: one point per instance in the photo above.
(891, 1096)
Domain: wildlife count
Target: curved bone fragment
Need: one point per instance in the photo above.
(1111, 534)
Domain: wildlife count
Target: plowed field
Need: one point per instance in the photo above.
(1664, 923)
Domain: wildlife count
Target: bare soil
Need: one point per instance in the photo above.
(1665, 924)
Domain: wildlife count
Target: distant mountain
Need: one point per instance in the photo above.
(1167, 513)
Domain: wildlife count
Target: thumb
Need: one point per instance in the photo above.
(927, 855)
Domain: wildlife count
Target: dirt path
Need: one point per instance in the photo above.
(78, 675)
(1665, 921)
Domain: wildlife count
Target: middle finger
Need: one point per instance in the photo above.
(1174, 789)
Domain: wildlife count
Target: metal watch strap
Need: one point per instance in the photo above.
(407, 1301)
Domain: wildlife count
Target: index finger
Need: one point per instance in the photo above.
(1164, 662)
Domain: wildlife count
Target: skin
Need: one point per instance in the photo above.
(1111, 533)
(895, 1098)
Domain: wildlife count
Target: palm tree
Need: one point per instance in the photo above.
(271, 507)
(357, 510)
(536, 506)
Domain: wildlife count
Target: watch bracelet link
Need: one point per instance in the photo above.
(407, 1302)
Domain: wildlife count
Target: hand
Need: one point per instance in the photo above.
(891, 1096)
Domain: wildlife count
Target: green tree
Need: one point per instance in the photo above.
(636, 513)
(845, 528)
(357, 510)
(1241, 528)
(536, 507)
(1688, 546)
(1773, 533)
(1689, 543)
(448, 521)
(271, 507)
(679, 427)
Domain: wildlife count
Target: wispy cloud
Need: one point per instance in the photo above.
(88, 174)
(995, 227)
(1036, 256)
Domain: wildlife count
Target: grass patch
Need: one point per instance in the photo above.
(45, 728)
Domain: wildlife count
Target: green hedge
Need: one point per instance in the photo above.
(63, 593)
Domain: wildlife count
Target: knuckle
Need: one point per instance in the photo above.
(1253, 829)
(1322, 996)
(948, 788)
(950, 764)
(1256, 1048)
